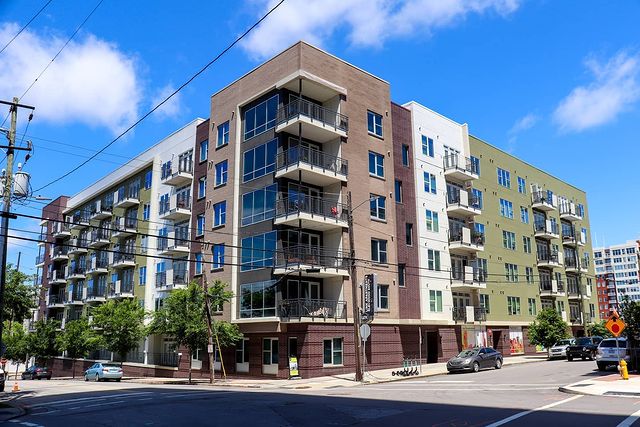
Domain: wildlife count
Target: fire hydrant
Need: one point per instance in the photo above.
(624, 372)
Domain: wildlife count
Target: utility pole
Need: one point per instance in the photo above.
(6, 205)
(354, 294)
(210, 351)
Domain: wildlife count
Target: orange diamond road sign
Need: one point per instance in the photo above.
(615, 325)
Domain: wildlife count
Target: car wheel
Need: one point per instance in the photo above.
(86, 377)
(498, 363)
(2, 386)
(48, 378)
(97, 378)
(570, 358)
(602, 367)
(118, 380)
(583, 358)
(476, 367)
(39, 378)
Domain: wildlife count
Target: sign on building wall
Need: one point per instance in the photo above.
(369, 286)
(474, 336)
(516, 340)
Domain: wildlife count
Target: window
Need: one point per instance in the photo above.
(504, 178)
(146, 212)
(435, 301)
(259, 205)
(144, 245)
(142, 276)
(148, 176)
(258, 299)
(427, 146)
(405, 155)
(506, 208)
(526, 244)
(408, 231)
(223, 134)
(475, 166)
(221, 173)
(511, 272)
(513, 306)
(218, 256)
(402, 275)
(269, 351)
(433, 260)
(376, 164)
(398, 191)
(332, 352)
(379, 251)
(580, 209)
(509, 240)
(258, 251)
(204, 150)
(532, 306)
(377, 206)
(524, 215)
(477, 200)
(199, 261)
(484, 303)
(260, 118)
(432, 221)
(522, 185)
(259, 160)
(478, 227)
(220, 214)
(202, 187)
(200, 225)
(374, 123)
(382, 297)
(429, 183)
(242, 351)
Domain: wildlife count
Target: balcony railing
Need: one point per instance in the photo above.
(169, 169)
(163, 359)
(57, 299)
(76, 270)
(462, 198)
(60, 251)
(102, 234)
(457, 162)
(457, 236)
(125, 288)
(40, 259)
(550, 257)
(315, 308)
(459, 274)
(302, 107)
(460, 314)
(128, 192)
(119, 257)
(570, 262)
(161, 279)
(547, 227)
(311, 205)
(315, 158)
(97, 291)
(312, 256)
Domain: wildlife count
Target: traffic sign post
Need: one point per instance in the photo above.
(615, 325)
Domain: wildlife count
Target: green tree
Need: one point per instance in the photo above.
(42, 343)
(19, 297)
(78, 339)
(547, 329)
(16, 341)
(120, 324)
(227, 333)
(630, 313)
(598, 329)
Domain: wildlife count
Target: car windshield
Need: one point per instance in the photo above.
(564, 342)
(110, 365)
(468, 353)
(612, 343)
(583, 341)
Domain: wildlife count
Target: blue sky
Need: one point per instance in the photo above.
(555, 83)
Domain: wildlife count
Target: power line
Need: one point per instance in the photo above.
(25, 26)
(202, 70)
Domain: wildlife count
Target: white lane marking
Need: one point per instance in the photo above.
(475, 389)
(146, 398)
(630, 419)
(541, 408)
(448, 382)
(80, 399)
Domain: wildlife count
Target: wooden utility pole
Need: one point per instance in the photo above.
(354, 294)
(210, 350)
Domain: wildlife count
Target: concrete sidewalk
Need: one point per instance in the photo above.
(606, 385)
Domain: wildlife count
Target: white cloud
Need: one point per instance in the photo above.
(366, 22)
(172, 108)
(524, 123)
(613, 90)
(91, 82)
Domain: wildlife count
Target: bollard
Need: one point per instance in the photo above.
(624, 372)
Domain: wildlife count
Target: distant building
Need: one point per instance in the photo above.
(617, 264)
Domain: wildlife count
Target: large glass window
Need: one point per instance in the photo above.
(433, 259)
(427, 146)
(379, 251)
(432, 220)
(260, 118)
(374, 123)
(222, 169)
(509, 240)
(204, 150)
(522, 185)
(220, 214)
(377, 205)
(382, 297)
(511, 272)
(332, 351)
(524, 214)
(259, 160)
(435, 301)
(200, 225)
(270, 351)
(259, 205)
(223, 134)
(218, 256)
(258, 251)
(504, 178)
(429, 182)
(513, 306)
(477, 201)
(258, 299)
(506, 208)
(376, 164)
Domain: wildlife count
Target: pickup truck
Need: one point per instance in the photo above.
(584, 348)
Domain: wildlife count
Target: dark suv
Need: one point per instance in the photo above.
(584, 348)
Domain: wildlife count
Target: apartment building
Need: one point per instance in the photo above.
(124, 236)
(617, 270)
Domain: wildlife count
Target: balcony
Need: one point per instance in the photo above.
(96, 293)
(314, 166)
(468, 278)
(177, 208)
(469, 314)
(77, 246)
(569, 212)
(550, 287)
(56, 277)
(301, 309)
(573, 291)
(42, 239)
(550, 259)
(123, 260)
(74, 297)
(60, 230)
(100, 210)
(173, 279)
(318, 123)
(571, 264)
(543, 201)
(98, 265)
(312, 261)
(174, 245)
(546, 230)
(76, 272)
(40, 260)
(56, 301)
(59, 253)
(124, 227)
(178, 175)
(118, 289)
(462, 203)
(99, 238)
(79, 221)
(315, 213)
(569, 238)
(126, 197)
(465, 241)
(459, 168)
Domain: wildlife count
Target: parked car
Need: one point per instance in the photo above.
(607, 354)
(36, 373)
(475, 359)
(3, 378)
(559, 349)
(584, 348)
(103, 371)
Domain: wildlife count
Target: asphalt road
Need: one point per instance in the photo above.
(520, 395)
